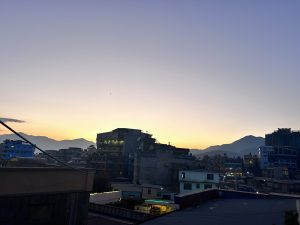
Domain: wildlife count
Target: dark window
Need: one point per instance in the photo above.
(210, 176)
(187, 186)
(197, 186)
(149, 191)
(207, 186)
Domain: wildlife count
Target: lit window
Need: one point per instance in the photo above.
(183, 175)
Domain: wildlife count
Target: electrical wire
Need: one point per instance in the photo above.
(35, 146)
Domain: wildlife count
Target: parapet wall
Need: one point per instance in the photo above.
(44, 180)
(195, 198)
(45, 196)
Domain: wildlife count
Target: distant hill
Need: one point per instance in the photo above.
(199, 153)
(245, 145)
(46, 143)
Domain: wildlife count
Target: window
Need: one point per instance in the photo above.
(207, 186)
(149, 191)
(197, 186)
(187, 186)
(210, 176)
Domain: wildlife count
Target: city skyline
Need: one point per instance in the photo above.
(193, 74)
(10, 120)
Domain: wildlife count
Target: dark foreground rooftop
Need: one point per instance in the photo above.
(97, 219)
(232, 212)
(44, 196)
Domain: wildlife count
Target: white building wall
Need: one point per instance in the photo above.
(190, 181)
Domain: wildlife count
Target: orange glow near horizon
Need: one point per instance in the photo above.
(68, 132)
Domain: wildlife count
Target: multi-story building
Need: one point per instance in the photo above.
(159, 164)
(71, 154)
(135, 155)
(263, 155)
(283, 137)
(53, 153)
(281, 150)
(251, 165)
(233, 169)
(117, 150)
(190, 181)
(15, 148)
(278, 156)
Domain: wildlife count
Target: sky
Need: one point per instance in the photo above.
(192, 73)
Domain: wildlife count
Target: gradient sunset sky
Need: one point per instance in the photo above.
(193, 73)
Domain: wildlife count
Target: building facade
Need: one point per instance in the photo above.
(283, 137)
(251, 165)
(15, 148)
(190, 181)
(159, 164)
(72, 154)
(116, 151)
(278, 156)
(76, 157)
(263, 155)
(45, 196)
(281, 152)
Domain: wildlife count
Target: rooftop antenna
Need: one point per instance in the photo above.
(29, 142)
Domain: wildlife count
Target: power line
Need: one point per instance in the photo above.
(35, 146)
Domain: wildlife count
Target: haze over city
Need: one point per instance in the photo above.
(193, 73)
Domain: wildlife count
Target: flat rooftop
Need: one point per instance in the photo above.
(232, 212)
(97, 219)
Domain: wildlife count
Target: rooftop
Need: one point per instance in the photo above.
(231, 211)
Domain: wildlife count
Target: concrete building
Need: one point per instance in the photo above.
(263, 155)
(117, 150)
(159, 165)
(233, 169)
(15, 148)
(190, 181)
(71, 154)
(283, 137)
(278, 156)
(251, 165)
(269, 185)
(281, 151)
(44, 196)
(150, 191)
